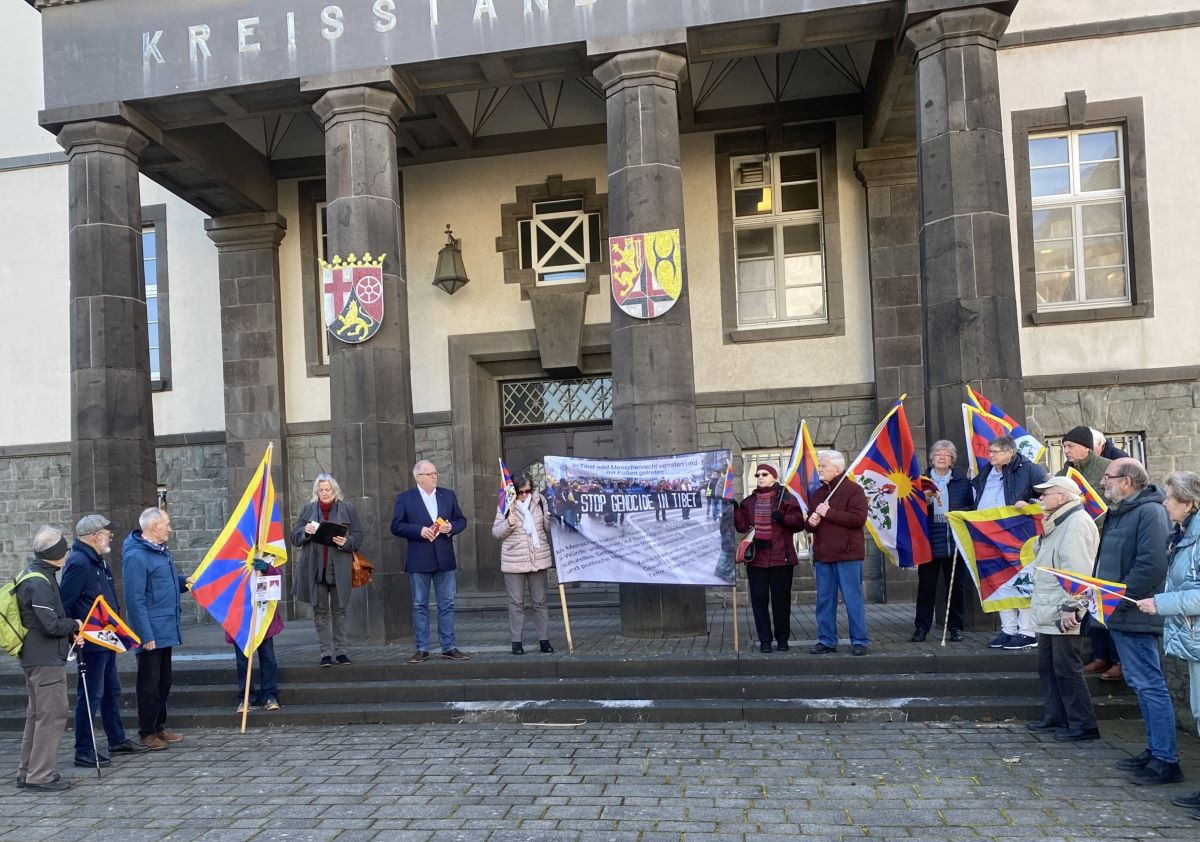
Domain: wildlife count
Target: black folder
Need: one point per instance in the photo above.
(328, 530)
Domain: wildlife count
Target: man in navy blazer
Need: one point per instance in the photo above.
(428, 517)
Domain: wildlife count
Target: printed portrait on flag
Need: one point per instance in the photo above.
(644, 521)
(353, 296)
(646, 272)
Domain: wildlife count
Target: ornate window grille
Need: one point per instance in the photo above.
(531, 403)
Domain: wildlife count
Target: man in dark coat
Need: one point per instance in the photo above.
(428, 517)
(838, 515)
(1009, 478)
(44, 659)
(953, 493)
(1133, 550)
(87, 576)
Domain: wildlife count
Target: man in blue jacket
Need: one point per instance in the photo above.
(87, 576)
(428, 517)
(1009, 478)
(1133, 550)
(152, 588)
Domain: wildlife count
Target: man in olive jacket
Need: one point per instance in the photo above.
(44, 659)
(1133, 550)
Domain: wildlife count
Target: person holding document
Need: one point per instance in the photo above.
(326, 533)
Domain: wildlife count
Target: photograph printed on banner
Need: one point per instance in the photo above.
(660, 520)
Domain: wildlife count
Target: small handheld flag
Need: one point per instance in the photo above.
(1093, 503)
(1103, 596)
(508, 491)
(727, 483)
(801, 476)
(981, 429)
(104, 628)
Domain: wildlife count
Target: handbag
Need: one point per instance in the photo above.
(361, 571)
(745, 549)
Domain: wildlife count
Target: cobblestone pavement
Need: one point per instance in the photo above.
(596, 782)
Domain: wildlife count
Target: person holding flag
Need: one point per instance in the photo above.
(952, 492)
(1008, 479)
(1069, 541)
(523, 528)
(85, 577)
(839, 513)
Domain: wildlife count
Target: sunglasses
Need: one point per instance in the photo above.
(521, 491)
(764, 474)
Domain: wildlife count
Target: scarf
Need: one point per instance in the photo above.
(764, 507)
(525, 512)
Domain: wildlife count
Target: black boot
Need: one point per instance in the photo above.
(546, 647)
(518, 649)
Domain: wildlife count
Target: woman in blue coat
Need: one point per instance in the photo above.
(1180, 603)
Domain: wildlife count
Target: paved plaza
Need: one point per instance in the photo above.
(594, 782)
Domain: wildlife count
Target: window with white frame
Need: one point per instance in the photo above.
(559, 241)
(150, 272)
(1080, 236)
(778, 239)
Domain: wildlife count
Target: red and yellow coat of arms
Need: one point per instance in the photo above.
(353, 291)
(646, 272)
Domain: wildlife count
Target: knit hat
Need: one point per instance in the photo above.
(91, 524)
(763, 466)
(1081, 436)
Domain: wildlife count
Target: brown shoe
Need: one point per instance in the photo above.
(1113, 673)
(455, 655)
(170, 736)
(1096, 666)
(153, 742)
(419, 657)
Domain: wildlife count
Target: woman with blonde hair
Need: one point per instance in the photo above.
(324, 570)
(525, 557)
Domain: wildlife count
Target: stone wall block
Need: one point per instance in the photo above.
(107, 260)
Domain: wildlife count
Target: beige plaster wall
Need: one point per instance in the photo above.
(306, 398)
(21, 92)
(1040, 14)
(1161, 68)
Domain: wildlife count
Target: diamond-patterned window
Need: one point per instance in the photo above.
(559, 241)
(531, 403)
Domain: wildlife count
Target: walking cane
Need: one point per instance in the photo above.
(87, 702)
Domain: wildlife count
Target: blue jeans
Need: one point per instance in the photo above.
(844, 576)
(268, 674)
(104, 692)
(443, 588)
(1143, 672)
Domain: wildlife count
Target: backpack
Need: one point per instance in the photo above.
(12, 630)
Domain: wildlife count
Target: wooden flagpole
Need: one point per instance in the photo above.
(949, 594)
(250, 658)
(735, 616)
(562, 595)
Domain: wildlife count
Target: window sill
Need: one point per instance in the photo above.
(160, 385)
(318, 369)
(1090, 314)
(834, 327)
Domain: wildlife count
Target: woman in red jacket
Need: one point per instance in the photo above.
(774, 516)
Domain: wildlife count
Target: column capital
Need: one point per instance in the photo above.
(243, 231)
(884, 166)
(641, 67)
(100, 136)
(361, 103)
(978, 26)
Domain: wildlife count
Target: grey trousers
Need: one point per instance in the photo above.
(45, 722)
(330, 619)
(514, 583)
(1060, 666)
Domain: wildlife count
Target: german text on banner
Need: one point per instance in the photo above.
(641, 521)
(997, 545)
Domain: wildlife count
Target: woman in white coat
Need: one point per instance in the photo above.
(1180, 602)
(524, 558)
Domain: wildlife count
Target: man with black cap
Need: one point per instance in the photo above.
(87, 576)
(49, 632)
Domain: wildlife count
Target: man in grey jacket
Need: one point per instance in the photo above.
(44, 658)
(1133, 550)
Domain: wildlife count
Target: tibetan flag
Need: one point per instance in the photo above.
(104, 628)
(888, 472)
(1093, 503)
(727, 483)
(225, 580)
(1100, 595)
(800, 477)
(997, 545)
(1027, 445)
(981, 429)
(508, 491)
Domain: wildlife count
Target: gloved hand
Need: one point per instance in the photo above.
(777, 517)
(261, 565)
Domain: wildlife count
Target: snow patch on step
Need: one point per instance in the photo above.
(853, 703)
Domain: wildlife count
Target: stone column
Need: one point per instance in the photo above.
(654, 393)
(968, 290)
(252, 352)
(113, 468)
(370, 392)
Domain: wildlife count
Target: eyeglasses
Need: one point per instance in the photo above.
(764, 474)
(996, 452)
(521, 491)
(428, 474)
(1114, 476)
